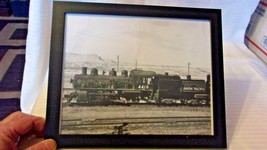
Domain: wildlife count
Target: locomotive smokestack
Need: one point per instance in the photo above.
(112, 72)
(94, 72)
(84, 70)
(124, 73)
(188, 77)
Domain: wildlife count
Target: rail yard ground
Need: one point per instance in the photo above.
(136, 119)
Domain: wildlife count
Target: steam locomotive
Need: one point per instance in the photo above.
(138, 86)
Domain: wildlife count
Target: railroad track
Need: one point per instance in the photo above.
(134, 121)
(130, 104)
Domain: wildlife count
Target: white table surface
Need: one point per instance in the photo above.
(245, 74)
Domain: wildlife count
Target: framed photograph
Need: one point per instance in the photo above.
(135, 76)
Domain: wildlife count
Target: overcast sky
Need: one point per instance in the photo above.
(148, 40)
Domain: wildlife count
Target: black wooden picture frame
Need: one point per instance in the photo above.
(58, 63)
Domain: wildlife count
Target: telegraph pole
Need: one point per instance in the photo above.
(118, 63)
(188, 69)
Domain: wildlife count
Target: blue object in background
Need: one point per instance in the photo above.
(20, 8)
(5, 9)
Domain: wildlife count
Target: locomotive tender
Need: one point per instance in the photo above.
(138, 85)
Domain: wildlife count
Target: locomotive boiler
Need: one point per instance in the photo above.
(138, 86)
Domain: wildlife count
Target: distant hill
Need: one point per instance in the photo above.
(73, 57)
(77, 61)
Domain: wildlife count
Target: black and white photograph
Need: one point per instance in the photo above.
(127, 72)
(136, 75)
